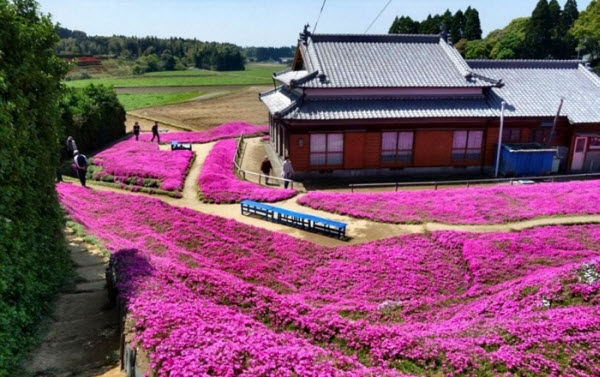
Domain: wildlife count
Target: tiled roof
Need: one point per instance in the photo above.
(383, 61)
(341, 109)
(534, 88)
(288, 76)
(279, 101)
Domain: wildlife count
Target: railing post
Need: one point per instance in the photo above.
(396, 186)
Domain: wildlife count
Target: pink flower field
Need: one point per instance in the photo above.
(219, 184)
(224, 131)
(476, 205)
(141, 164)
(210, 296)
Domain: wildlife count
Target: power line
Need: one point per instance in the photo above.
(380, 13)
(318, 18)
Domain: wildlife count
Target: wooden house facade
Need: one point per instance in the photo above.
(376, 104)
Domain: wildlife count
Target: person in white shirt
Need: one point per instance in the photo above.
(288, 170)
(81, 166)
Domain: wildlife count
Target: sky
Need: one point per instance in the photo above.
(263, 22)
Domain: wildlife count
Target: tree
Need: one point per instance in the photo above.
(477, 49)
(539, 36)
(458, 26)
(431, 25)
(569, 15)
(509, 43)
(168, 60)
(447, 20)
(404, 25)
(587, 29)
(33, 259)
(472, 24)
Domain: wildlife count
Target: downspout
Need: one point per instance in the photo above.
(500, 138)
(555, 124)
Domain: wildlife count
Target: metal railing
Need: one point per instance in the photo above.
(239, 152)
(468, 183)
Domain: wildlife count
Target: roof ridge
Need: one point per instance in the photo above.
(463, 66)
(523, 63)
(591, 75)
(364, 38)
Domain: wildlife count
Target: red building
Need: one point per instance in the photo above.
(376, 104)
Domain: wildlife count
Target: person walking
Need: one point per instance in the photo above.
(155, 132)
(288, 171)
(136, 131)
(81, 166)
(71, 146)
(265, 168)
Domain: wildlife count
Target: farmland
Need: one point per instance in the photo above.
(255, 74)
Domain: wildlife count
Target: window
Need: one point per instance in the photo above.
(326, 149)
(540, 135)
(467, 145)
(511, 135)
(396, 147)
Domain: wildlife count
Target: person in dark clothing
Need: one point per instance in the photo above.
(155, 132)
(81, 166)
(71, 146)
(265, 168)
(136, 130)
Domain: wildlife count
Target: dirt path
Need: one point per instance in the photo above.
(83, 336)
(359, 230)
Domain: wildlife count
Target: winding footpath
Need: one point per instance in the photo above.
(359, 230)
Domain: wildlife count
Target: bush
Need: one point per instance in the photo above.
(33, 258)
(93, 116)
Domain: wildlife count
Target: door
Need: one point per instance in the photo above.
(579, 153)
(354, 150)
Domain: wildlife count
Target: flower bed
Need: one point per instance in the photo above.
(219, 184)
(476, 205)
(210, 295)
(224, 131)
(140, 165)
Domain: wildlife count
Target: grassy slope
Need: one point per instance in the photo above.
(255, 74)
(142, 100)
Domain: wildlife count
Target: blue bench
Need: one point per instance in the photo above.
(176, 146)
(295, 219)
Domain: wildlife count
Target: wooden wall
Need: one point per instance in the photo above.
(432, 141)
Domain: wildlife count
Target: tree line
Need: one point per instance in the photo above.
(152, 53)
(263, 54)
(551, 32)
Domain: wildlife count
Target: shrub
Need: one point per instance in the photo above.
(33, 257)
(93, 116)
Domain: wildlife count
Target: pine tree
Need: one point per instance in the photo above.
(404, 25)
(447, 21)
(569, 15)
(458, 26)
(472, 24)
(539, 37)
(556, 33)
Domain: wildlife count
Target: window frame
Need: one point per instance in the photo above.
(466, 150)
(327, 153)
(511, 131)
(397, 150)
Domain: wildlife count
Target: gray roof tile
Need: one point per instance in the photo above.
(385, 61)
(534, 89)
(390, 109)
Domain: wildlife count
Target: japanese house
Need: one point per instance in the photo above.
(376, 104)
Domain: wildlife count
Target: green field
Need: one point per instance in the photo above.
(255, 74)
(141, 100)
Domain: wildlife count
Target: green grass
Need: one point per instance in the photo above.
(255, 74)
(142, 100)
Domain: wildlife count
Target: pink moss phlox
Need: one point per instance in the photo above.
(475, 205)
(138, 160)
(210, 294)
(224, 131)
(219, 184)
